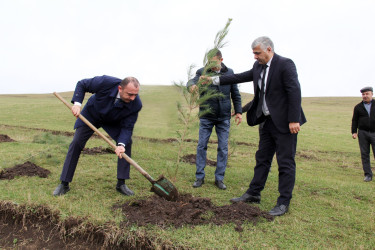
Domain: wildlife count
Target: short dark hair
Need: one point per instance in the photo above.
(215, 52)
(128, 80)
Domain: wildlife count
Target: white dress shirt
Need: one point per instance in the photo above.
(264, 106)
(216, 81)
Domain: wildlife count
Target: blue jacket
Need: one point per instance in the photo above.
(117, 120)
(221, 107)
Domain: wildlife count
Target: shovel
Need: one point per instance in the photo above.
(162, 187)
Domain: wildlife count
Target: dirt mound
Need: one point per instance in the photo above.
(37, 227)
(25, 169)
(97, 151)
(188, 210)
(191, 158)
(5, 138)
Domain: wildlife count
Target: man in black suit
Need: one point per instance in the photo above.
(277, 105)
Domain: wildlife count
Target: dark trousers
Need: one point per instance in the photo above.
(365, 139)
(271, 141)
(81, 136)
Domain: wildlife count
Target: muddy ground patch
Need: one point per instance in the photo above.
(191, 159)
(98, 151)
(188, 211)
(24, 169)
(5, 138)
(37, 227)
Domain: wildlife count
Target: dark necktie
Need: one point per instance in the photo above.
(117, 100)
(261, 95)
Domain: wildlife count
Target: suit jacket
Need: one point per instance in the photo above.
(101, 109)
(283, 92)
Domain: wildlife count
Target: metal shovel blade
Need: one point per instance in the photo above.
(164, 188)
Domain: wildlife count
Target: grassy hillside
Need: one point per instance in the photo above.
(331, 208)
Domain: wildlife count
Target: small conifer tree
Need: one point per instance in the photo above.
(195, 99)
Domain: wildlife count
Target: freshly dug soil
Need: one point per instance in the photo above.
(98, 151)
(5, 138)
(37, 227)
(191, 158)
(25, 169)
(188, 210)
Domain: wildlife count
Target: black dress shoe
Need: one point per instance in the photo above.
(278, 210)
(247, 198)
(220, 185)
(198, 183)
(367, 178)
(61, 190)
(123, 189)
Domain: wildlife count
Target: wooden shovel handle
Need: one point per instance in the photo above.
(127, 158)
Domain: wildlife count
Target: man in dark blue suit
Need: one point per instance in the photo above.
(114, 107)
(277, 106)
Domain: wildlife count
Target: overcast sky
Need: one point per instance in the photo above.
(49, 45)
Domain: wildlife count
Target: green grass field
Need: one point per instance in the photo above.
(331, 207)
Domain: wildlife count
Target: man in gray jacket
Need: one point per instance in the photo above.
(219, 116)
